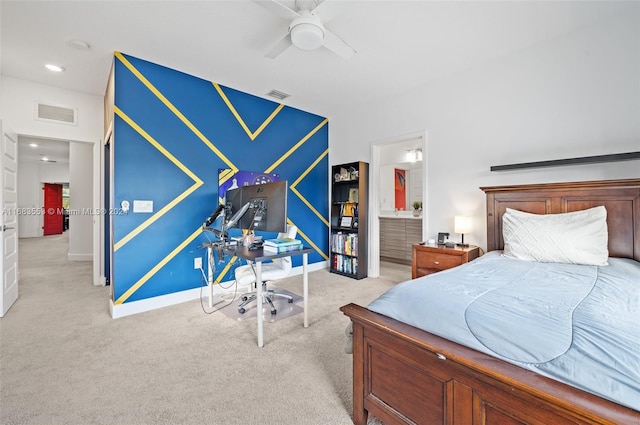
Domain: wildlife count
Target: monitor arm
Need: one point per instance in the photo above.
(236, 217)
(214, 215)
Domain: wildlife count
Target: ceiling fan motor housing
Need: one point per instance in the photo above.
(307, 32)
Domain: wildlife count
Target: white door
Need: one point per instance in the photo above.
(8, 220)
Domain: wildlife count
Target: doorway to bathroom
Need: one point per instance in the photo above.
(387, 156)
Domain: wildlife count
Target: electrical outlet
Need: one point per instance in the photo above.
(197, 263)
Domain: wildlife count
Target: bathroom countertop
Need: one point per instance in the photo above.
(392, 215)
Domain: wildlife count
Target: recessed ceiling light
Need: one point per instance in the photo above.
(79, 45)
(54, 68)
(33, 145)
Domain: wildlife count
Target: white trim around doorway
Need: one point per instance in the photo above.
(374, 197)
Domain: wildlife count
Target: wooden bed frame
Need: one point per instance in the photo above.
(405, 375)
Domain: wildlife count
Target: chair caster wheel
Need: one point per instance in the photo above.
(290, 301)
(273, 312)
(241, 310)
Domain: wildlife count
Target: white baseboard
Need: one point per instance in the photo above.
(80, 257)
(135, 307)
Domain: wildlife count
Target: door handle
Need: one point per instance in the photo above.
(4, 228)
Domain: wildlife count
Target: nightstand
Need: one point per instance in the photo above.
(430, 259)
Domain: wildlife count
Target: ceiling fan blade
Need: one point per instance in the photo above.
(280, 47)
(278, 8)
(328, 9)
(337, 45)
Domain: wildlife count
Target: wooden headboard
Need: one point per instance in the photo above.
(621, 198)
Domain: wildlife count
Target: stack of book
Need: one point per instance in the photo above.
(282, 245)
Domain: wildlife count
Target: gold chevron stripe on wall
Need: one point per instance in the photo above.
(173, 109)
(165, 111)
(198, 182)
(157, 267)
(296, 146)
(309, 241)
(265, 123)
(225, 270)
(299, 195)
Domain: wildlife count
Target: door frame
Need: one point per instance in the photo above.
(97, 205)
(8, 226)
(374, 195)
(102, 221)
(106, 203)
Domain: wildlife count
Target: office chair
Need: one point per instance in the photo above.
(279, 268)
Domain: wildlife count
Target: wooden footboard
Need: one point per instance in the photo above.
(405, 375)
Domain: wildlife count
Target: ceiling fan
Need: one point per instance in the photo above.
(306, 30)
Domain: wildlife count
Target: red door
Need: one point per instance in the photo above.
(53, 217)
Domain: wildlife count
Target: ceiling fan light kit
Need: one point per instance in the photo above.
(306, 30)
(306, 34)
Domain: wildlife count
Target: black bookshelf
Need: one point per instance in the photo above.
(348, 244)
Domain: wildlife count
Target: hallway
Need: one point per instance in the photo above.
(52, 284)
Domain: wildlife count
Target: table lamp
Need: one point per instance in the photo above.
(462, 225)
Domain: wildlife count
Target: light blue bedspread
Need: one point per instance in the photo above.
(577, 324)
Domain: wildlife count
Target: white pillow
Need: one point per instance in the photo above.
(578, 237)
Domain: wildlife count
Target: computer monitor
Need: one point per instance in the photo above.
(232, 203)
(265, 204)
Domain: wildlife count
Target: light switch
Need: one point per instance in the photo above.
(142, 206)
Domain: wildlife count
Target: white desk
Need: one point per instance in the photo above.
(258, 256)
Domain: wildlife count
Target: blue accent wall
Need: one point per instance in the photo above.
(172, 133)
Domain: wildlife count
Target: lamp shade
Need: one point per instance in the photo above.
(462, 224)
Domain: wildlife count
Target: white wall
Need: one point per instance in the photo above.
(78, 174)
(30, 196)
(81, 201)
(29, 199)
(578, 95)
(18, 100)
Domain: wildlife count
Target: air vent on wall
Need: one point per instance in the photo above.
(57, 114)
(278, 94)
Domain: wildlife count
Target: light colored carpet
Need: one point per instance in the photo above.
(64, 360)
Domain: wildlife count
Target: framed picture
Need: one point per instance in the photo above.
(346, 221)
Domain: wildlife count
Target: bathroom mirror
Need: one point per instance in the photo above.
(400, 186)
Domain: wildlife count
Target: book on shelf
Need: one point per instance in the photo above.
(279, 242)
(343, 264)
(281, 249)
